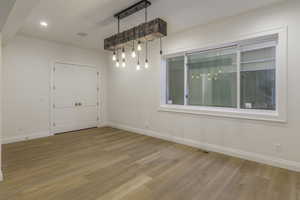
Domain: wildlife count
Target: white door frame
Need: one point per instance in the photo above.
(51, 90)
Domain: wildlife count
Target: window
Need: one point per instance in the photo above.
(258, 79)
(212, 78)
(240, 77)
(175, 67)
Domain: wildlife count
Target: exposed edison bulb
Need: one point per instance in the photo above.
(123, 53)
(43, 24)
(114, 57)
(117, 63)
(146, 64)
(133, 54)
(138, 66)
(123, 63)
(139, 46)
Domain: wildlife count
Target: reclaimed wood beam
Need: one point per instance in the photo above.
(151, 30)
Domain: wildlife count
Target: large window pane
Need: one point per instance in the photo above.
(258, 79)
(212, 78)
(175, 80)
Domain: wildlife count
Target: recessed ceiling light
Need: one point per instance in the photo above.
(82, 34)
(43, 23)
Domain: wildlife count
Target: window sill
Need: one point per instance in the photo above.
(260, 115)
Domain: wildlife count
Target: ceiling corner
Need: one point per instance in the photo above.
(19, 12)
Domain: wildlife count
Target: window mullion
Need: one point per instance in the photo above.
(186, 84)
(238, 79)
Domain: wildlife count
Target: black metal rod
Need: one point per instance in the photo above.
(147, 50)
(118, 33)
(146, 19)
(161, 51)
(118, 25)
(146, 15)
(133, 9)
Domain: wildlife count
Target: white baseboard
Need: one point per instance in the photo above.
(103, 124)
(36, 135)
(265, 159)
(26, 137)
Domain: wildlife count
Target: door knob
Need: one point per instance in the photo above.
(80, 104)
(76, 104)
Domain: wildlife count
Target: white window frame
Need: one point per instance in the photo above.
(279, 115)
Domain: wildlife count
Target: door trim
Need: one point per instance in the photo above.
(51, 91)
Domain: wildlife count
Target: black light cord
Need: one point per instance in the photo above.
(161, 51)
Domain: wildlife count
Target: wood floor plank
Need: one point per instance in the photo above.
(126, 188)
(108, 163)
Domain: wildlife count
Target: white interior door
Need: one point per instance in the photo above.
(75, 97)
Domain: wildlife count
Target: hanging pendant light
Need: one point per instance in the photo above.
(138, 66)
(133, 54)
(118, 42)
(117, 59)
(146, 46)
(146, 60)
(123, 63)
(146, 64)
(123, 53)
(114, 57)
(160, 42)
(139, 47)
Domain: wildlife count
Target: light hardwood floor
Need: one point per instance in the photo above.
(110, 164)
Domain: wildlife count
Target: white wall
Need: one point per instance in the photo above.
(134, 97)
(26, 76)
(1, 86)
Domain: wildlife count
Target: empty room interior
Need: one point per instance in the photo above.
(149, 100)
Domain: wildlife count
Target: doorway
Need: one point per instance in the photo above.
(74, 97)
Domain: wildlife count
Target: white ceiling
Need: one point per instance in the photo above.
(5, 8)
(66, 18)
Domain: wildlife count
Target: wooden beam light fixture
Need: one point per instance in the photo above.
(143, 33)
